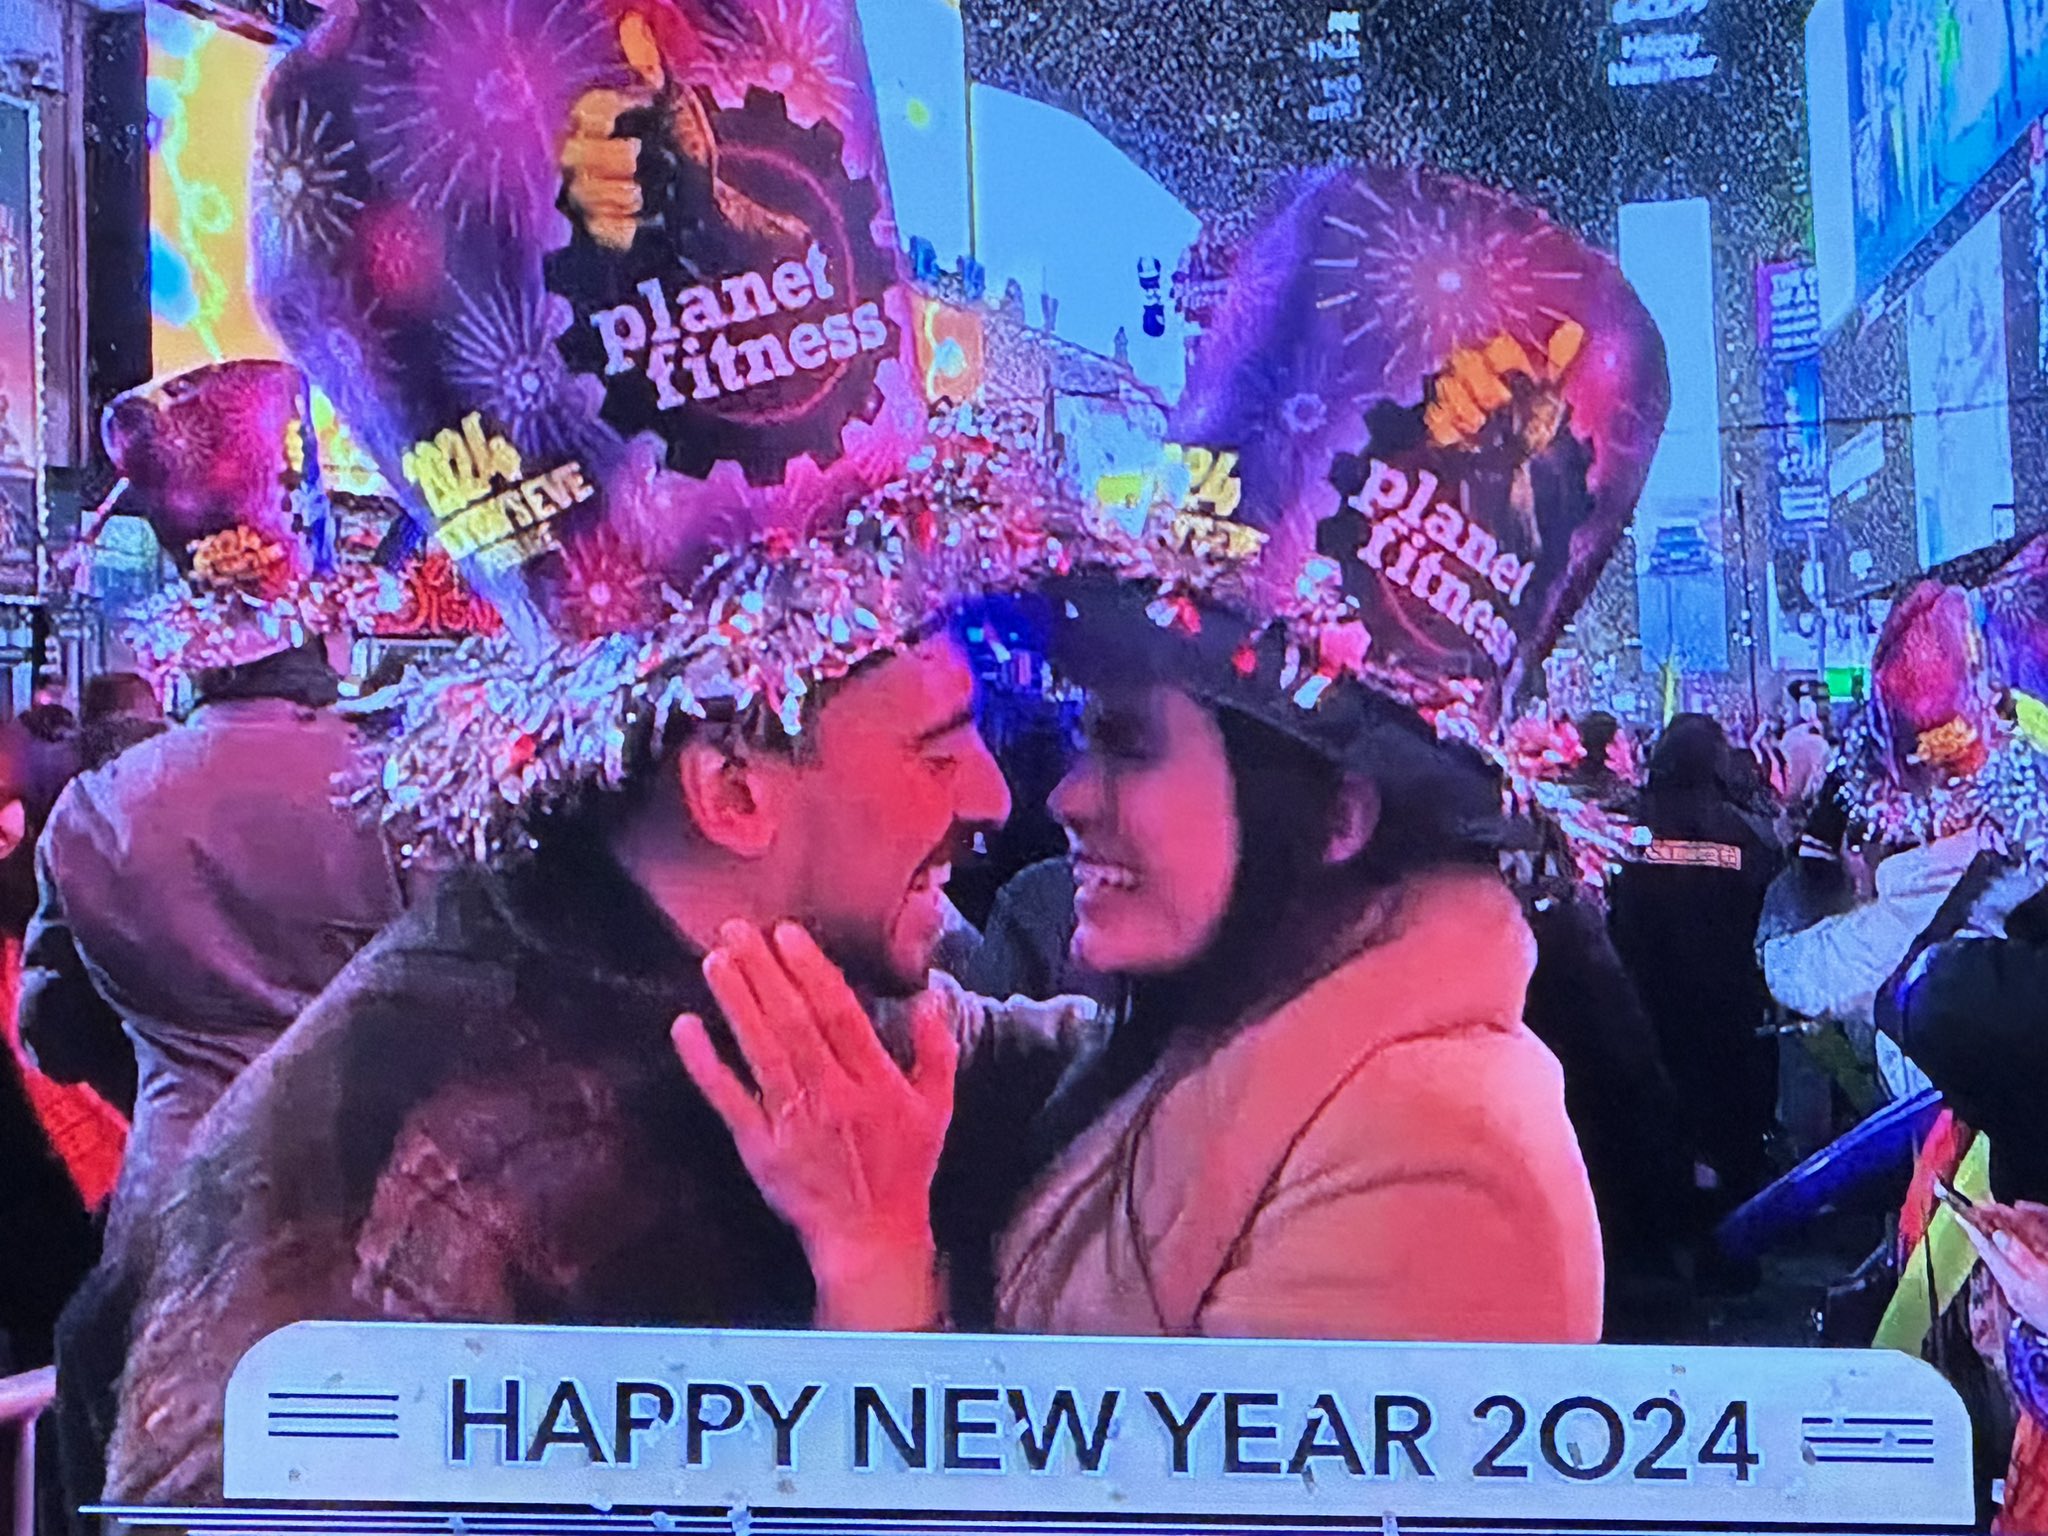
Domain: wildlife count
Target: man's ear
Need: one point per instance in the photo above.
(13, 826)
(1354, 817)
(732, 797)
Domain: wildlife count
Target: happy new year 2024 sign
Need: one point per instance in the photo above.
(794, 1428)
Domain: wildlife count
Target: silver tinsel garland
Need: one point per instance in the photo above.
(494, 738)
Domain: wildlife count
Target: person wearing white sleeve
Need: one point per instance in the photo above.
(1834, 968)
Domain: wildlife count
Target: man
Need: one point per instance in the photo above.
(202, 886)
(483, 1120)
(1805, 747)
(1683, 919)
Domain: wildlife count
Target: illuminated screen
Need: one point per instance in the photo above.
(204, 87)
(1962, 429)
(1937, 89)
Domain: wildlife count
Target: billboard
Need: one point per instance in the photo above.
(1937, 90)
(1788, 340)
(1962, 412)
(1666, 251)
(22, 449)
(204, 83)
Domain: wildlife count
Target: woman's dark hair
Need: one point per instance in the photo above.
(1694, 791)
(1290, 909)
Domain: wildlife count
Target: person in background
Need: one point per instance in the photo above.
(1027, 946)
(1877, 880)
(53, 753)
(48, 1243)
(1620, 1097)
(118, 710)
(52, 1168)
(1749, 789)
(203, 884)
(1805, 747)
(84, 1114)
(1974, 1017)
(1597, 775)
(1684, 918)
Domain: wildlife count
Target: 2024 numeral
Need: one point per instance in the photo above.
(1726, 1444)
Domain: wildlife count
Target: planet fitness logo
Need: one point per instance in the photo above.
(756, 339)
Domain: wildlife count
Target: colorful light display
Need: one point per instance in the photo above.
(204, 82)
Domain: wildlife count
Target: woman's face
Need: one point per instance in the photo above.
(1151, 819)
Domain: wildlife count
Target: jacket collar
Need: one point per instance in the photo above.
(573, 904)
(300, 675)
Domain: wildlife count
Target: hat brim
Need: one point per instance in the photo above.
(1105, 634)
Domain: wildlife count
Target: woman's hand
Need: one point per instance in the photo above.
(842, 1143)
(2013, 1242)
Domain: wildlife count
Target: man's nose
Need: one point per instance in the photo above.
(983, 794)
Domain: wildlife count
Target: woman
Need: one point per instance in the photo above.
(1684, 919)
(1323, 1116)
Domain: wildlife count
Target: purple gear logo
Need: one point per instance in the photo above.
(773, 194)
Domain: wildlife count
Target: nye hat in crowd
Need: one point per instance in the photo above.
(1931, 754)
(609, 289)
(221, 462)
(1422, 417)
(2015, 602)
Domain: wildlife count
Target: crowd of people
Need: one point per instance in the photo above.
(634, 966)
(1221, 870)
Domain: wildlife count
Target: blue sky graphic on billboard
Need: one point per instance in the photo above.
(1667, 254)
(1937, 90)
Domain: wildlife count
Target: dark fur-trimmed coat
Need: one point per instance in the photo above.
(482, 1120)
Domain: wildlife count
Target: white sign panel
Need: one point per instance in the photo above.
(1033, 1433)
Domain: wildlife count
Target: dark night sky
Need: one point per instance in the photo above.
(1212, 97)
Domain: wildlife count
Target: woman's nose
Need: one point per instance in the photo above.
(1076, 800)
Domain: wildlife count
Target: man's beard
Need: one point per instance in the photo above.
(864, 959)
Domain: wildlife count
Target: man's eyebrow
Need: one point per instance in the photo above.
(959, 720)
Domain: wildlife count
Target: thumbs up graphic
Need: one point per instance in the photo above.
(601, 160)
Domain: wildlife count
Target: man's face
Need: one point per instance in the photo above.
(895, 781)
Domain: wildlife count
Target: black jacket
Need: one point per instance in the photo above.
(1617, 1089)
(1974, 1018)
(47, 1241)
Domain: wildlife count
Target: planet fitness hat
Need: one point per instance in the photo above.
(1448, 397)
